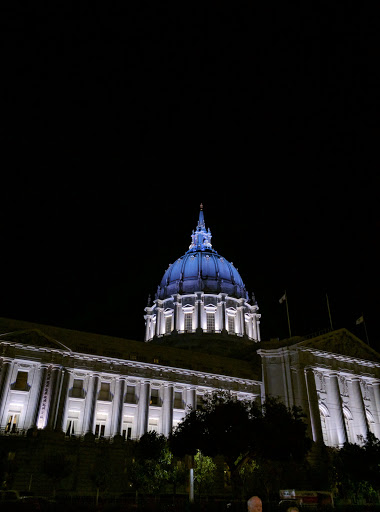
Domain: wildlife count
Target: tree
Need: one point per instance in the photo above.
(151, 463)
(243, 432)
(204, 472)
(358, 469)
(56, 467)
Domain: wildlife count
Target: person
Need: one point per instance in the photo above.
(254, 504)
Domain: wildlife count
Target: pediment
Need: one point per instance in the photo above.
(342, 342)
(33, 337)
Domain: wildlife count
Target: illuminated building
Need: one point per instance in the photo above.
(202, 332)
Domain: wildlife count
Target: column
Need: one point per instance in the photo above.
(117, 407)
(191, 398)
(357, 410)
(38, 389)
(167, 409)
(258, 338)
(5, 377)
(143, 408)
(55, 382)
(337, 428)
(63, 401)
(90, 407)
(315, 421)
(374, 407)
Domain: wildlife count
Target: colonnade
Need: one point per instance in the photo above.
(169, 315)
(340, 407)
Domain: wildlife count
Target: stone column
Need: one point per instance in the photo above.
(143, 408)
(374, 407)
(167, 409)
(358, 410)
(191, 398)
(55, 382)
(63, 401)
(90, 407)
(337, 428)
(5, 378)
(117, 407)
(38, 386)
(315, 421)
(258, 337)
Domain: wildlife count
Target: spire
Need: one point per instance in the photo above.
(201, 238)
(201, 221)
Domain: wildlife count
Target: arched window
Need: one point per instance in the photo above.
(347, 416)
(324, 415)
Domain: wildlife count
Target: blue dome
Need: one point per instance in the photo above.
(201, 269)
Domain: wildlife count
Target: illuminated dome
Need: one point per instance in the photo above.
(200, 293)
(201, 269)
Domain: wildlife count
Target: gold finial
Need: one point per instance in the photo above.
(201, 206)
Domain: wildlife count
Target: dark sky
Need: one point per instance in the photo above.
(118, 121)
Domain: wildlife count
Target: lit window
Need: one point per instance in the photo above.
(168, 324)
(72, 423)
(231, 324)
(153, 425)
(154, 397)
(127, 427)
(188, 322)
(12, 421)
(100, 425)
(210, 322)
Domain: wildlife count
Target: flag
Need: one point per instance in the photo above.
(360, 320)
(282, 298)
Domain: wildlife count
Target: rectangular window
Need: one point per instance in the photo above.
(178, 402)
(210, 322)
(104, 392)
(127, 427)
(168, 324)
(100, 424)
(155, 397)
(77, 389)
(231, 324)
(21, 383)
(12, 422)
(153, 424)
(72, 423)
(188, 322)
(130, 397)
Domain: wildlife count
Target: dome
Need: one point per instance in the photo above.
(201, 269)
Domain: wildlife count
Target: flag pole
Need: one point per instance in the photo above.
(328, 309)
(365, 330)
(287, 312)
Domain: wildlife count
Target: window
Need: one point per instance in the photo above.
(178, 402)
(12, 422)
(130, 397)
(104, 392)
(154, 397)
(77, 389)
(168, 324)
(188, 322)
(21, 383)
(72, 423)
(153, 424)
(210, 317)
(127, 427)
(100, 425)
(231, 324)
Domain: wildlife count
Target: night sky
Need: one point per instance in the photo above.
(118, 121)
